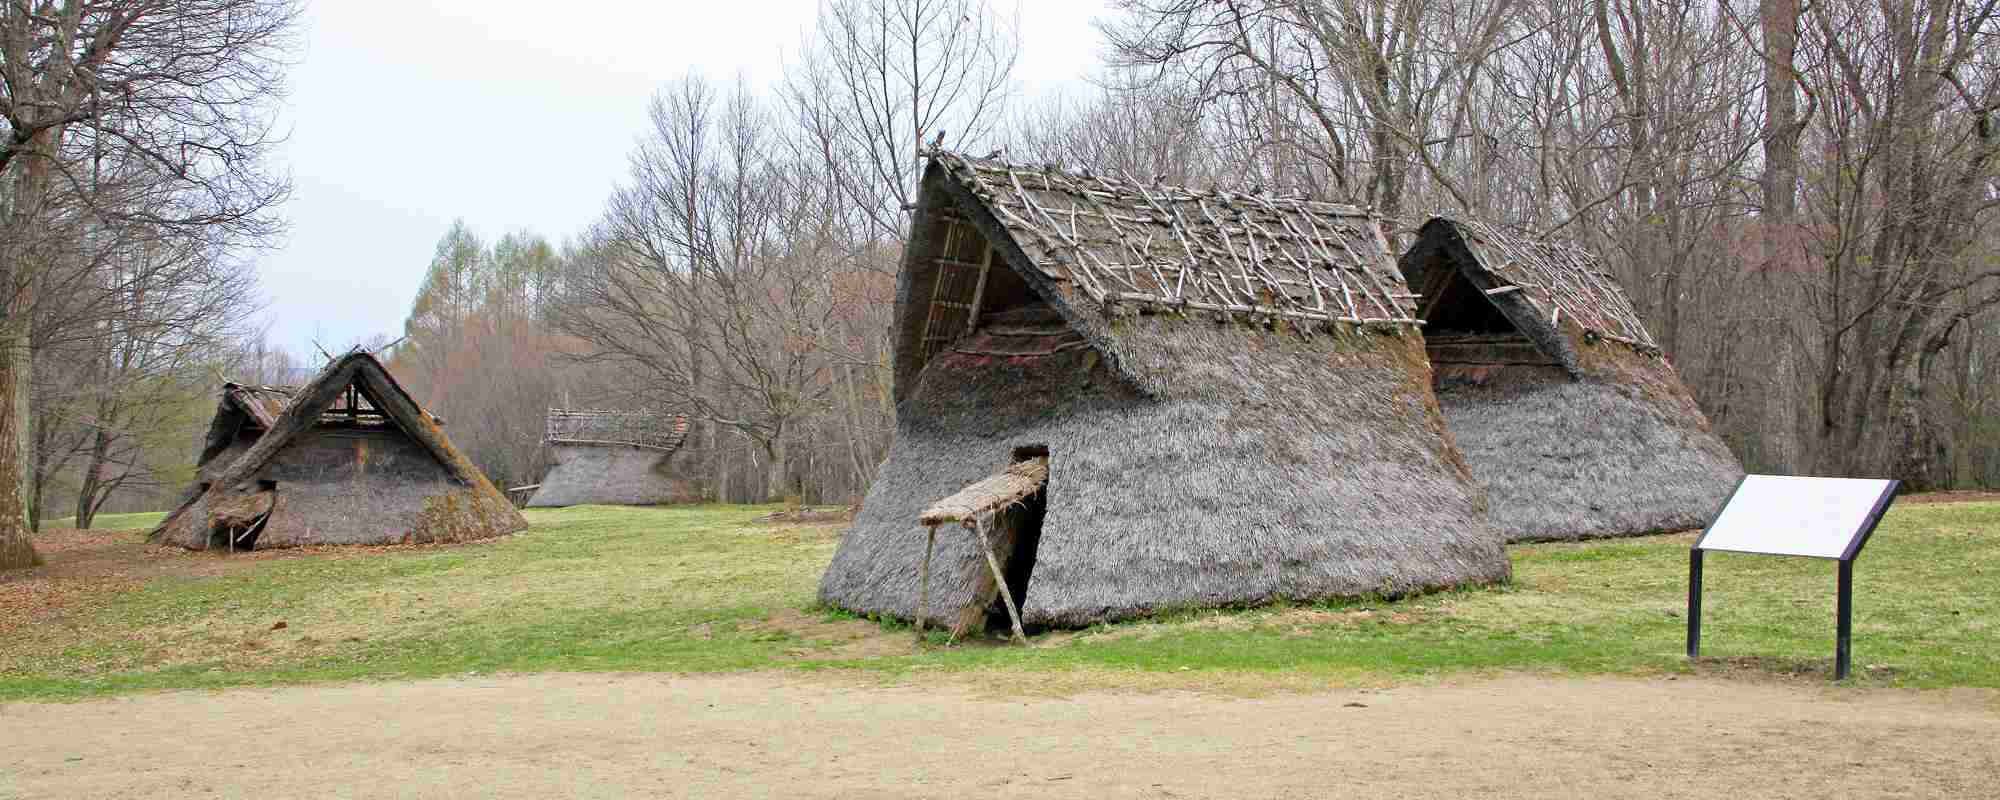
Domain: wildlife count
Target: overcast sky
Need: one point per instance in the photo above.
(405, 115)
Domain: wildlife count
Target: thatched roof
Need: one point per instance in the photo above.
(1545, 289)
(657, 431)
(1114, 245)
(1125, 241)
(1018, 481)
(262, 404)
(448, 501)
(1224, 423)
(1564, 408)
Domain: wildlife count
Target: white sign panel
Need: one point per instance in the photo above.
(1786, 515)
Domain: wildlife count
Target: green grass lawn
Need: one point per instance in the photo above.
(708, 589)
(139, 520)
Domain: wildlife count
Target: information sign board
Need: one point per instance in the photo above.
(1788, 515)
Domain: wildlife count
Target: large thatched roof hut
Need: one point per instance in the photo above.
(347, 458)
(1230, 392)
(1556, 393)
(617, 458)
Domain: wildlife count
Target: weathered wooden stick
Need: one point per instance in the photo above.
(1000, 580)
(924, 581)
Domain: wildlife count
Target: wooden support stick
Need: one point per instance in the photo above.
(924, 581)
(1000, 580)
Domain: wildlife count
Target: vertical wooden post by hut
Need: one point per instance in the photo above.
(975, 508)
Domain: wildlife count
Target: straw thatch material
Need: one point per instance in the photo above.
(242, 415)
(1194, 458)
(350, 459)
(1016, 483)
(617, 458)
(1561, 402)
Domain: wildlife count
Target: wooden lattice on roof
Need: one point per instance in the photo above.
(1562, 281)
(630, 428)
(1123, 241)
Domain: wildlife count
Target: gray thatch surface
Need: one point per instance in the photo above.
(616, 475)
(1017, 482)
(1565, 410)
(377, 470)
(624, 458)
(1194, 460)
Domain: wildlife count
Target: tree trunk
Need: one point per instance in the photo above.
(16, 550)
(93, 479)
(1916, 455)
(775, 483)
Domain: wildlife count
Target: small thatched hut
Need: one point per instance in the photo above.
(1229, 390)
(1561, 401)
(348, 458)
(617, 458)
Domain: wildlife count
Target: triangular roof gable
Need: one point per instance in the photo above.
(1545, 290)
(1087, 244)
(312, 399)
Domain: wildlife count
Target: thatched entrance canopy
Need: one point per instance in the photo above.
(1563, 403)
(350, 458)
(991, 494)
(617, 458)
(1229, 389)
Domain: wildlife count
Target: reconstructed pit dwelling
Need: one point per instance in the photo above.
(1560, 400)
(1230, 393)
(348, 458)
(617, 458)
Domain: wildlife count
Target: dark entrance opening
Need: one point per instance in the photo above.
(1017, 533)
(1452, 305)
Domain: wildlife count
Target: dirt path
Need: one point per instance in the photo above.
(804, 736)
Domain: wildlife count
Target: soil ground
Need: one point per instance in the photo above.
(782, 735)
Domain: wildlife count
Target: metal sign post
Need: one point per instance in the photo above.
(1784, 515)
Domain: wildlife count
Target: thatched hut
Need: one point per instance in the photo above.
(617, 458)
(1230, 392)
(1562, 402)
(348, 458)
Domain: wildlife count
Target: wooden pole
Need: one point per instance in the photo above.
(1000, 580)
(1694, 603)
(924, 581)
(1843, 651)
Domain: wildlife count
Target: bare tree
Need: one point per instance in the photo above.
(711, 274)
(181, 93)
(879, 80)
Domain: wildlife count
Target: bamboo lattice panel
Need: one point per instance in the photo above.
(1562, 281)
(1123, 241)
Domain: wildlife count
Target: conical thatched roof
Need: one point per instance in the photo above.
(350, 459)
(1562, 402)
(1230, 391)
